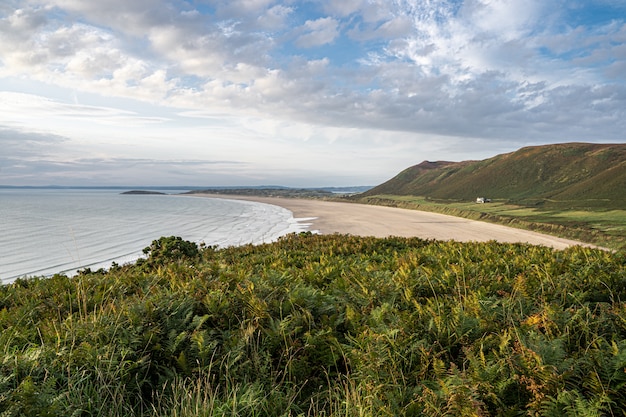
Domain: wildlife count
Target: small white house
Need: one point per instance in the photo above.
(481, 200)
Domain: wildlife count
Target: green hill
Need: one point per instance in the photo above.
(570, 174)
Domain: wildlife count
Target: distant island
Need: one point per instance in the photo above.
(142, 192)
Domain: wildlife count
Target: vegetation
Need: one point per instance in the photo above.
(557, 177)
(571, 190)
(325, 326)
(605, 228)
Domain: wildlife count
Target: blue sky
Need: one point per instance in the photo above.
(297, 93)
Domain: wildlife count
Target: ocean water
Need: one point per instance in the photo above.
(48, 231)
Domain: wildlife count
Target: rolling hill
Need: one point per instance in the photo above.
(569, 174)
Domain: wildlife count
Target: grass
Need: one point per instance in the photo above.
(562, 176)
(605, 228)
(322, 326)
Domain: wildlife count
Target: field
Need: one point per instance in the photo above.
(606, 228)
(322, 326)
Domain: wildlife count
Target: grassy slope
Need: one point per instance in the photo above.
(556, 176)
(322, 325)
(572, 190)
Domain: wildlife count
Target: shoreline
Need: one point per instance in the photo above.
(329, 217)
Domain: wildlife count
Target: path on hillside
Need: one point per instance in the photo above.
(329, 217)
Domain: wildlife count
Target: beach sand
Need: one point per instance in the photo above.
(328, 217)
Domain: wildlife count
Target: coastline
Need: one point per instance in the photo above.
(62, 231)
(329, 217)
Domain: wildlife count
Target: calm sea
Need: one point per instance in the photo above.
(48, 231)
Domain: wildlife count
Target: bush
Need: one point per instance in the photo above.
(170, 249)
(322, 325)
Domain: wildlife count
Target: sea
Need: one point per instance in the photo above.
(49, 231)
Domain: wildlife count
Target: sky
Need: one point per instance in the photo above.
(297, 93)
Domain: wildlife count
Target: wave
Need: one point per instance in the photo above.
(65, 231)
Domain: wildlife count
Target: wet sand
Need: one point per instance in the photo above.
(328, 217)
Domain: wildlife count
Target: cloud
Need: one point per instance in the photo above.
(397, 27)
(21, 144)
(78, 56)
(342, 8)
(317, 32)
(25, 152)
(275, 18)
(131, 17)
(19, 23)
(19, 110)
(113, 171)
(503, 71)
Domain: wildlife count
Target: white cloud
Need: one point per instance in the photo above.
(318, 32)
(243, 7)
(468, 41)
(397, 27)
(342, 8)
(130, 17)
(408, 71)
(504, 20)
(274, 18)
(379, 10)
(78, 56)
(19, 23)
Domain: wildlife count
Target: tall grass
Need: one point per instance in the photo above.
(322, 326)
(598, 226)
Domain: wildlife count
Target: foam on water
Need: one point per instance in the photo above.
(43, 232)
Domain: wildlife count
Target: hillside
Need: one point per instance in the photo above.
(570, 174)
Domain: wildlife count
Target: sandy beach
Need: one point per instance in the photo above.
(329, 217)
